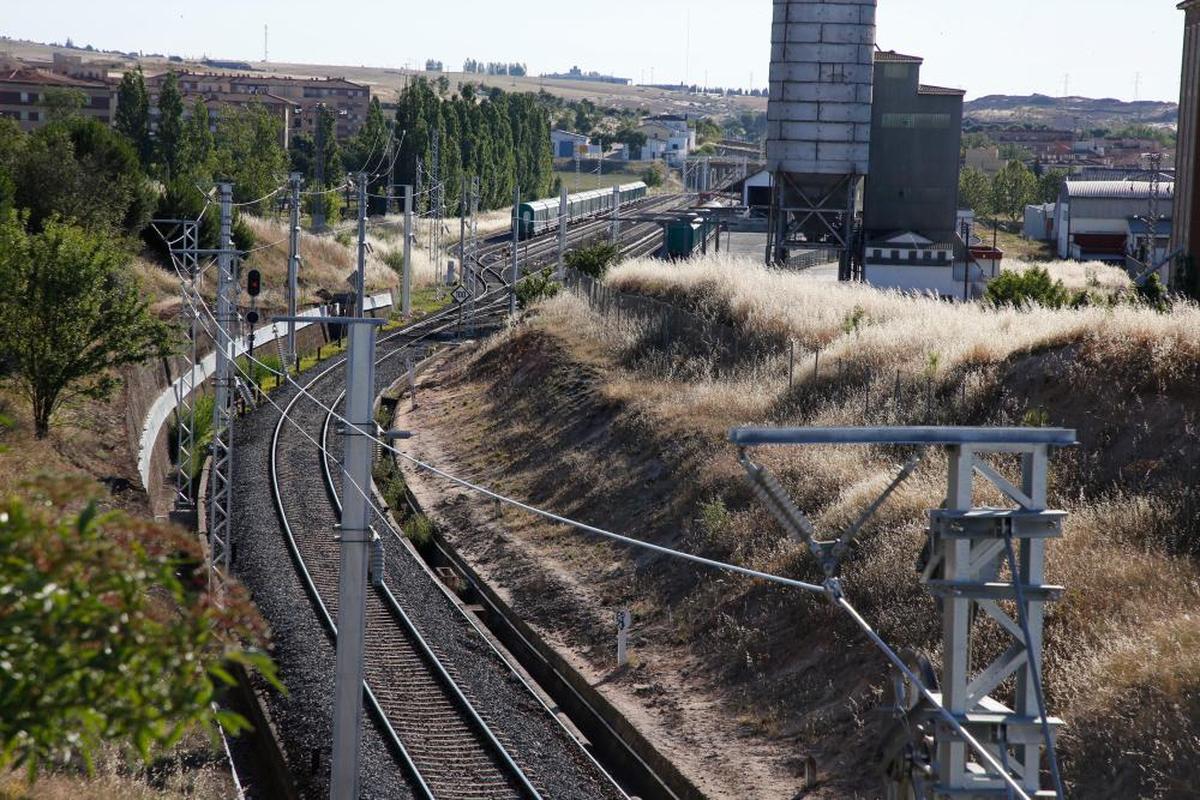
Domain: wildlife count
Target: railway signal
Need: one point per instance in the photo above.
(253, 283)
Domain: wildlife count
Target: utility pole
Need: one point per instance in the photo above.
(406, 287)
(462, 231)
(293, 274)
(221, 499)
(361, 281)
(512, 289)
(318, 212)
(563, 212)
(616, 215)
(355, 540)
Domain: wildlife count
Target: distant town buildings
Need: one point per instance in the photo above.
(27, 91)
(294, 100)
(576, 74)
(668, 137)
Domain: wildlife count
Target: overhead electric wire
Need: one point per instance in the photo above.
(831, 590)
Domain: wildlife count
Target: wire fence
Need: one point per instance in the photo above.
(868, 395)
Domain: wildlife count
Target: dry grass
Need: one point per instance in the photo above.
(1129, 625)
(325, 264)
(896, 330)
(1078, 275)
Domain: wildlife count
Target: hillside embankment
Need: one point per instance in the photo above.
(742, 683)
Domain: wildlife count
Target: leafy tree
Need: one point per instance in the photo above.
(62, 103)
(105, 637)
(1013, 188)
(655, 175)
(70, 315)
(170, 126)
(593, 260)
(1049, 185)
(1031, 287)
(248, 150)
(975, 191)
(707, 130)
(82, 170)
(133, 114)
(196, 145)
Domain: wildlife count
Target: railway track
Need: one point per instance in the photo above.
(457, 719)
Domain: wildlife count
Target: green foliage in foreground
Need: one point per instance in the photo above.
(105, 636)
(593, 260)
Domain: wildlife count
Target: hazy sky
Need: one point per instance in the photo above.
(1012, 47)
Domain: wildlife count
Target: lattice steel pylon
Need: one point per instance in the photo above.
(221, 475)
(969, 547)
(184, 250)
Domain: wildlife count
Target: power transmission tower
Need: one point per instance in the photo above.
(221, 496)
(293, 274)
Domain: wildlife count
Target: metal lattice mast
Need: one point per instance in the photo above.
(221, 488)
(471, 260)
(293, 273)
(185, 387)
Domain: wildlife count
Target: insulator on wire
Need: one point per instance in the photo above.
(376, 566)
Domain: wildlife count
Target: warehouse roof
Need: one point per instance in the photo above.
(893, 57)
(1114, 190)
(940, 90)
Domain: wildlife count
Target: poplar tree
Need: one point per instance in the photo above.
(170, 126)
(133, 114)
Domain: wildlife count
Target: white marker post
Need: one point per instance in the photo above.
(624, 623)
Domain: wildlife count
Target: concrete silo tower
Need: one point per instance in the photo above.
(819, 125)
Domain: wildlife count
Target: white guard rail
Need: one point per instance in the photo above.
(164, 405)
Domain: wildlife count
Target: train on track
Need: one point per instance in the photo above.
(541, 216)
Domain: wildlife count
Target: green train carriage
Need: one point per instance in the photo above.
(541, 216)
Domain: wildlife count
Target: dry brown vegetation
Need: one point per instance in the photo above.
(573, 411)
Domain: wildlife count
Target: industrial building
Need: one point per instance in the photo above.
(668, 137)
(910, 232)
(1108, 220)
(1186, 234)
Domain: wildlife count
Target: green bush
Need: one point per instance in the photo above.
(593, 260)
(1032, 287)
(537, 286)
(395, 261)
(654, 176)
(419, 530)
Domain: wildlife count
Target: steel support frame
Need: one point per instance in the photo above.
(972, 564)
(186, 255)
(220, 515)
(787, 219)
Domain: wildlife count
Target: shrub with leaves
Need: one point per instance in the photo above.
(105, 636)
(593, 260)
(1031, 287)
(537, 286)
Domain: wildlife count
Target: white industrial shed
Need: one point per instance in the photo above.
(1094, 218)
